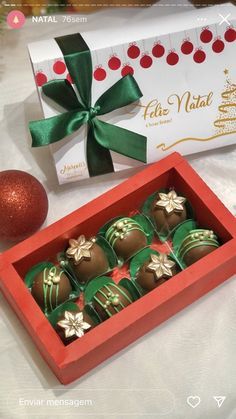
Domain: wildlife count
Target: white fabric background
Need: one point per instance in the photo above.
(191, 354)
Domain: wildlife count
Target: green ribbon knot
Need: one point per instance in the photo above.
(101, 136)
(93, 112)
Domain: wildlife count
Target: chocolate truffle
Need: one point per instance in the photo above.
(156, 270)
(110, 299)
(88, 259)
(72, 325)
(50, 288)
(168, 210)
(126, 237)
(197, 244)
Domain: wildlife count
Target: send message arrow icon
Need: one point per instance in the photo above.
(219, 400)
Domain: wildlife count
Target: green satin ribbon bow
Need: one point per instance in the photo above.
(102, 137)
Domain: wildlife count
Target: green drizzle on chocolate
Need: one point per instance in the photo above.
(112, 299)
(120, 228)
(197, 238)
(50, 278)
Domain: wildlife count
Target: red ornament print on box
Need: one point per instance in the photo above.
(230, 35)
(187, 47)
(127, 69)
(206, 35)
(69, 79)
(199, 56)
(114, 62)
(99, 73)
(172, 58)
(59, 67)
(133, 51)
(218, 46)
(158, 50)
(146, 61)
(41, 79)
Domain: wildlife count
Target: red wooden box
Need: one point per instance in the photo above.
(72, 361)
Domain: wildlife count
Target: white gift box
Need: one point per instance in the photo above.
(185, 67)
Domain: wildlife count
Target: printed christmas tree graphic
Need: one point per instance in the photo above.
(226, 119)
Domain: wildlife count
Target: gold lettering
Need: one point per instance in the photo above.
(72, 167)
(189, 102)
(154, 109)
(172, 99)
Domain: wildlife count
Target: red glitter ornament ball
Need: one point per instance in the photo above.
(218, 46)
(199, 56)
(187, 47)
(146, 61)
(172, 58)
(206, 36)
(158, 50)
(230, 35)
(23, 205)
(114, 63)
(133, 51)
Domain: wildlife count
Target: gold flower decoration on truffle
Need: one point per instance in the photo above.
(80, 249)
(171, 202)
(73, 324)
(161, 265)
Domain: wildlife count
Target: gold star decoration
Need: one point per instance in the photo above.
(226, 71)
(80, 249)
(73, 324)
(171, 202)
(161, 265)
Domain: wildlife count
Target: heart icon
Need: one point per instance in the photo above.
(193, 401)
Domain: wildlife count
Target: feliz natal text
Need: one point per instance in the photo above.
(187, 102)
